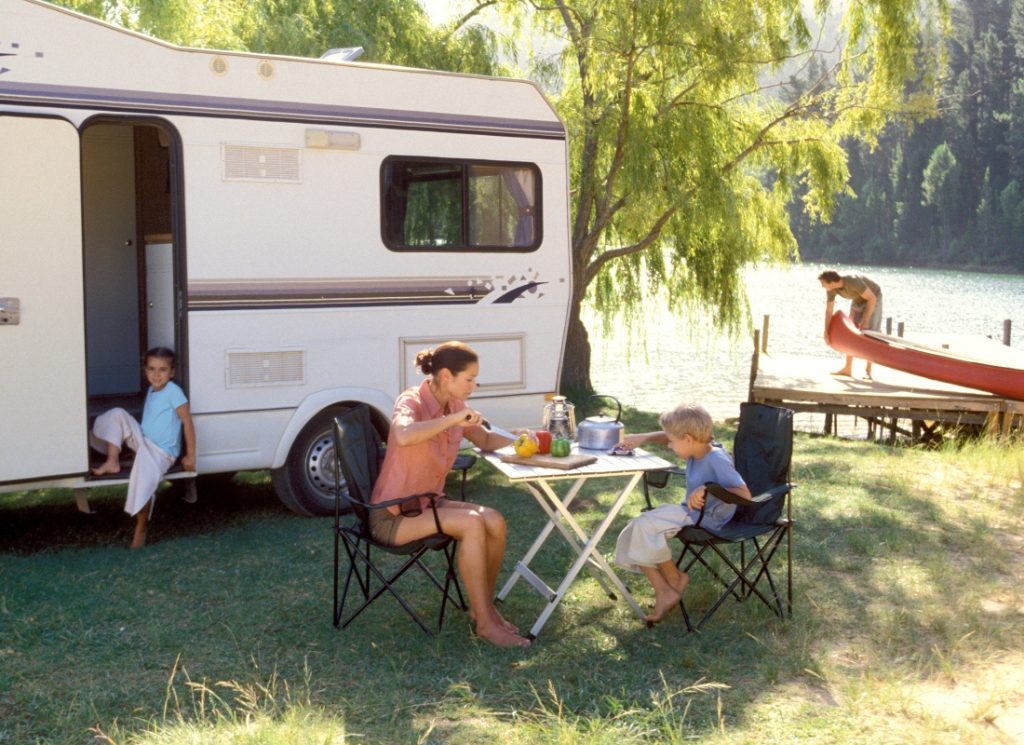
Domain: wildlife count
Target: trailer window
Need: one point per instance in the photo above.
(447, 205)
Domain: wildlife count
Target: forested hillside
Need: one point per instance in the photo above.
(948, 191)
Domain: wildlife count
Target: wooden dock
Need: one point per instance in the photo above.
(893, 403)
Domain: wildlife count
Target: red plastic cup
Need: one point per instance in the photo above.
(543, 441)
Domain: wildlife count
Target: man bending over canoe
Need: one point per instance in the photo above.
(865, 298)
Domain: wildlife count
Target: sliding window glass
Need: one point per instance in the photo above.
(452, 205)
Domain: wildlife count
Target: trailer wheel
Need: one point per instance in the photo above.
(305, 483)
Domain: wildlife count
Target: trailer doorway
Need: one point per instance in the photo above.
(132, 263)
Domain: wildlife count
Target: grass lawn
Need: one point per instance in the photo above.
(907, 627)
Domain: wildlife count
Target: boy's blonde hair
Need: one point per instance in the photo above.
(688, 419)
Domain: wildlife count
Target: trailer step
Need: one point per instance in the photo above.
(82, 486)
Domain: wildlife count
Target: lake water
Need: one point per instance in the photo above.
(673, 359)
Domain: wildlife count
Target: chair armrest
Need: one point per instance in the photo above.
(401, 500)
(659, 478)
(775, 491)
(720, 492)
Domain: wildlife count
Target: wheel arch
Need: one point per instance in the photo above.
(312, 405)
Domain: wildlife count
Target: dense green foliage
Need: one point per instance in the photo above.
(950, 190)
(392, 31)
(684, 155)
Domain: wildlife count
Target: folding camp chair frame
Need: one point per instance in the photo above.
(766, 538)
(354, 535)
(741, 587)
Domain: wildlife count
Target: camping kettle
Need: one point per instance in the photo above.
(559, 418)
(601, 432)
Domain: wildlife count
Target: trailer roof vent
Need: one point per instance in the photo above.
(342, 54)
(250, 163)
(248, 369)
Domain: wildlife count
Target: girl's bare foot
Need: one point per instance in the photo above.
(139, 539)
(108, 466)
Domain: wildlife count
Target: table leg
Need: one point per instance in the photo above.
(544, 533)
(589, 551)
(591, 547)
(559, 516)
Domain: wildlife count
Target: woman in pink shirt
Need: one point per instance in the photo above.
(427, 427)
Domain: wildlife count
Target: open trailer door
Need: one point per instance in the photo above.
(42, 329)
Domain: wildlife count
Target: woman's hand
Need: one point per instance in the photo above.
(465, 418)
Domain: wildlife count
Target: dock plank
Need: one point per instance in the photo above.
(805, 384)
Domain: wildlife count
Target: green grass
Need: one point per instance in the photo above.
(907, 625)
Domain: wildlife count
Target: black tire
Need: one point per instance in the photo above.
(305, 483)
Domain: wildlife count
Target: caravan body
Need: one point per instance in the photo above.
(296, 229)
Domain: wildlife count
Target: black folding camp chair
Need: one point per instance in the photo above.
(357, 466)
(762, 453)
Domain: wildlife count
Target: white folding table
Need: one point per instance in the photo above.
(540, 481)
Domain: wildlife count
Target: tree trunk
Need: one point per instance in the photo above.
(576, 362)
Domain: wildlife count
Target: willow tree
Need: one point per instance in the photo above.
(685, 154)
(392, 31)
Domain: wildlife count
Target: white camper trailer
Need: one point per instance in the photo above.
(295, 229)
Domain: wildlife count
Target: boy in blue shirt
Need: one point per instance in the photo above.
(643, 544)
(156, 441)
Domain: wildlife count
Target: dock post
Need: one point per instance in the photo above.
(888, 326)
(755, 361)
(899, 329)
(764, 333)
(1006, 331)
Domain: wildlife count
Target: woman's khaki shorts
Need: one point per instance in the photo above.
(384, 525)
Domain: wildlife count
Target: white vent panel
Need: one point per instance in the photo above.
(246, 369)
(252, 163)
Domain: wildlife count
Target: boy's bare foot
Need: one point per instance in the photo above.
(107, 466)
(664, 602)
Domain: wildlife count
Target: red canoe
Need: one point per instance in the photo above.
(928, 362)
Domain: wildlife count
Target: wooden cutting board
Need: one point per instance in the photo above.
(575, 460)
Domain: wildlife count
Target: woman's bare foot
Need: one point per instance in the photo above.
(498, 619)
(499, 636)
(665, 601)
(107, 466)
(508, 625)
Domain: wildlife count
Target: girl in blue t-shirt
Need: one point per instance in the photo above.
(156, 441)
(643, 544)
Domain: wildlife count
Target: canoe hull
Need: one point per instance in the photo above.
(844, 337)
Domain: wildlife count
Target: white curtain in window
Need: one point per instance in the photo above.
(520, 184)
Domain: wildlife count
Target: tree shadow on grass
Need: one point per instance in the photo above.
(47, 520)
